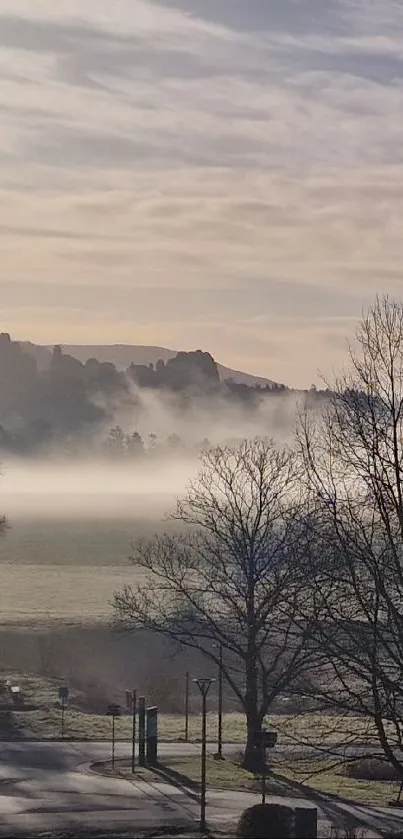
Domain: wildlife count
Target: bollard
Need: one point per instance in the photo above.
(306, 823)
(142, 730)
(152, 735)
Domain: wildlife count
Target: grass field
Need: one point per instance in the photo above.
(66, 569)
(292, 731)
(44, 722)
(75, 541)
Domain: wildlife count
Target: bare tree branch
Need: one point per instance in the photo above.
(232, 575)
(353, 460)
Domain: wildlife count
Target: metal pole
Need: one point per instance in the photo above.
(187, 707)
(113, 741)
(142, 731)
(203, 685)
(62, 717)
(264, 778)
(134, 712)
(220, 698)
(203, 766)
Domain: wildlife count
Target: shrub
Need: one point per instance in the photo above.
(266, 821)
(372, 769)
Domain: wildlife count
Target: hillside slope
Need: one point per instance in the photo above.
(122, 355)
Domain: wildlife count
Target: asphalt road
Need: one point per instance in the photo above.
(50, 787)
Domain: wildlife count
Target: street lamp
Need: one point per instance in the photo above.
(187, 706)
(204, 686)
(219, 755)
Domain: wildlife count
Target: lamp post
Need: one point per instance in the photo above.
(219, 755)
(187, 706)
(204, 686)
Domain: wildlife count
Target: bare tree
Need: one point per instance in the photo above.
(353, 457)
(231, 576)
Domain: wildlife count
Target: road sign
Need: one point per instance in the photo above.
(63, 692)
(16, 694)
(268, 739)
(114, 711)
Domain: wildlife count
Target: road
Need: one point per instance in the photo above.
(49, 787)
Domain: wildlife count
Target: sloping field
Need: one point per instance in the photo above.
(65, 570)
(45, 593)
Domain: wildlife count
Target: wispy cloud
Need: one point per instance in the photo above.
(211, 162)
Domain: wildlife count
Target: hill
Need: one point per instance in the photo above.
(122, 355)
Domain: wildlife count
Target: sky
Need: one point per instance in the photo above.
(216, 174)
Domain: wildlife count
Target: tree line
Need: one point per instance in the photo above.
(290, 559)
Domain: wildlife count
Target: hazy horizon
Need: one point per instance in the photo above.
(89, 489)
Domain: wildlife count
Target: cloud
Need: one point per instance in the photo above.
(203, 163)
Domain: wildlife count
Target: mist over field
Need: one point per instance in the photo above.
(88, 489)
(215, 418)
(93, 455)
(90, 482)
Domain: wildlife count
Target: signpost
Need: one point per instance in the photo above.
(16, 694)
(63, 696)
(131, 705)
(113, 711)
(204, 686)
(268, 740)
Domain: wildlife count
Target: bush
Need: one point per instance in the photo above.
(266, 821)
(372, 769)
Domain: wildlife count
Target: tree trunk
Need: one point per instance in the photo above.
(253, 757)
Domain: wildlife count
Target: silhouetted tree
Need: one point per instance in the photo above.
(116, 441)
(353, 456)
(134, 443)
(232, 577)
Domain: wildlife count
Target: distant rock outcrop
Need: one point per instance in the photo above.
(192, 370)
(123, 355)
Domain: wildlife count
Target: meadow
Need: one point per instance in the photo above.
(71, 524)
(62, 558)
(71, 527)
(65, 570)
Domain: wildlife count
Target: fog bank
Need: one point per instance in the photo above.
(90, 490)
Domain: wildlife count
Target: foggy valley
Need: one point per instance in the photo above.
(201, 419)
